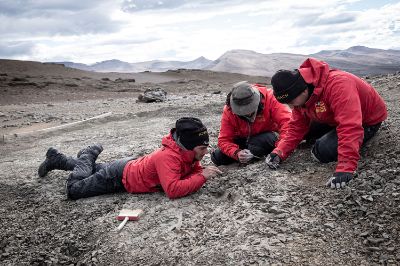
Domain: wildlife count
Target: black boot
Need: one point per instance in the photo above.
(93, 150)
(56, 160)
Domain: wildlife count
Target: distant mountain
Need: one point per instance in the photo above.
(154, 66)
(359, 60)
(252, 63)
(75, 65)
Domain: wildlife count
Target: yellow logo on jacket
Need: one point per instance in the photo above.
(320, 107)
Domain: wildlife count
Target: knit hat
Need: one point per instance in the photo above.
(191, 132)
(287, 85)
(244, 98)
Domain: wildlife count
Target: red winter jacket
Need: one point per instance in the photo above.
(339, 99)
(274, 117)
(170, 166)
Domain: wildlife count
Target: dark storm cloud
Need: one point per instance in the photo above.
(10, 49)
(47, 17)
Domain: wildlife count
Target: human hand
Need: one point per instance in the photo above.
(273, 161)
(245, 156)
(339, 180)
(211, 171)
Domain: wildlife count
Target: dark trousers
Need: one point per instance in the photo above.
(89, 179)
(325, 148)
(259, 145)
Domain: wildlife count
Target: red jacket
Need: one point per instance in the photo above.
(170, 166)
(274, 117)
(339, 99)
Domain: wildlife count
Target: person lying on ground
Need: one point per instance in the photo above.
(250, 123)
(174, 168)
(350, 108)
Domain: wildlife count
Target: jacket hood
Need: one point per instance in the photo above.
(169, 142)
(315, 72)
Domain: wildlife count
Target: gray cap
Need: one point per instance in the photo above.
(244, 98)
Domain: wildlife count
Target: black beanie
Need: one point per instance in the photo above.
(191, 132)
(287, 85)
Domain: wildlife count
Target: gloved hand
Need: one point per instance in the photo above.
(339, 180)
(245, 156)
(273, 161)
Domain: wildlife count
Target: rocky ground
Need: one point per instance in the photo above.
(249, 215)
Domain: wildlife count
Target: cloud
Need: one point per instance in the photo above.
(37, 8)
(326, 18)
(12, 49)
(138, 30)
(143, 5)
(47, 17)
(128, 41)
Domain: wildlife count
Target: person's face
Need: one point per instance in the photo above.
(200, 151)
(251, 117)
(299, 100)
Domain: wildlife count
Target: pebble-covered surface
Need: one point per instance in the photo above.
(249, 215)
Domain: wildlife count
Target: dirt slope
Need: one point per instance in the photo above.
(249, 215)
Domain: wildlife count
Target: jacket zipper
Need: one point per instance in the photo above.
(248, 136)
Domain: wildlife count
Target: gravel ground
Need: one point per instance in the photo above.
(249, 215)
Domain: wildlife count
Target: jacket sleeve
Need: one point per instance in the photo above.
(297, 128)
(226, 136)
(280, 115)
(173, 183)
(346, 107)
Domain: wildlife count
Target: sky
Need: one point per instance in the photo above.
(89, 31)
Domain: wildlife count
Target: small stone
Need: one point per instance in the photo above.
(330, 225)
(367, 198)
(281, 216)
(364, 234)
(374, 248)
(375, 240)
(275, 210)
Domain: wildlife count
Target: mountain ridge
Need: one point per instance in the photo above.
(359, 60)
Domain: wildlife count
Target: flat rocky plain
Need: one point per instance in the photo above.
(248, 216)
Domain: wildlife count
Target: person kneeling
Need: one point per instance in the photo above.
(250, 121)
(350, 108)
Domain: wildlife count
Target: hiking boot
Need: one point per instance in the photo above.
(93, 150)
(55, 161)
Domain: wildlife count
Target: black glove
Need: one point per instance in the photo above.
(339, 180)
(273, 161)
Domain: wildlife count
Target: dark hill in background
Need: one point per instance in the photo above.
(359, 60)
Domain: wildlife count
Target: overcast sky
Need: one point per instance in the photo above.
(89, 31)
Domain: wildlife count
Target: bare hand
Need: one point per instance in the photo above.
(211, 171)
(245, 156)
